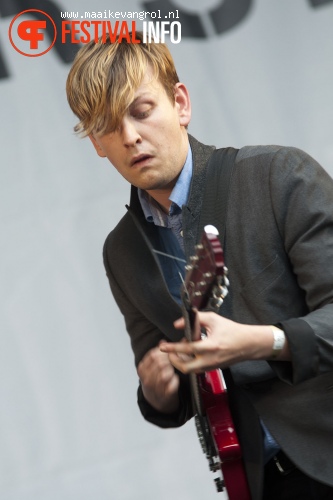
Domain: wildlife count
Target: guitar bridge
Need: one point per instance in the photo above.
(208, 448)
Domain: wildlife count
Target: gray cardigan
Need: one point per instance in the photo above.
(279, 252)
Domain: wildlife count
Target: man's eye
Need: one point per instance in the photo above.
(140, 114)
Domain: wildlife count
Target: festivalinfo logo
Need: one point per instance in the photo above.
(28, 29)
(26, 34)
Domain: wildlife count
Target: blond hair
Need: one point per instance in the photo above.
(105, 76)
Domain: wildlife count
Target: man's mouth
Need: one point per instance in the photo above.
(139, 159)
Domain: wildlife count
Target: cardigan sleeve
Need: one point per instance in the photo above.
(145, 336)
(302, 200)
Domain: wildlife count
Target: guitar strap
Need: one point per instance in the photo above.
(215, 200)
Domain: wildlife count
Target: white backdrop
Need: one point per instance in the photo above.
(69, 425)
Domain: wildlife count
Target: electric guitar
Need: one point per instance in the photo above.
(205, 287)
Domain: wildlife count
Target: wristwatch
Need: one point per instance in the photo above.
(278, 342)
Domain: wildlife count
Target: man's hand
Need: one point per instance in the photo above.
(159, 380)
(227, 343)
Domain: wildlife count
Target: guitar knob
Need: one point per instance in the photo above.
(207, 275)
(199, 246)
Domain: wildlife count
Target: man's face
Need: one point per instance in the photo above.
(150, 147)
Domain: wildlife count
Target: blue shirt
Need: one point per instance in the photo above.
(169, 228)
(178, 198)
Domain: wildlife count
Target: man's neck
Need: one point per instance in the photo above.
(161, 196)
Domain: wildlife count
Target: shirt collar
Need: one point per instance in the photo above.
(178, 196)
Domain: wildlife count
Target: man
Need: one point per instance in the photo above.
(274, 330)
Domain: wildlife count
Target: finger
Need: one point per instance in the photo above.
(189, 348)
(197, 327)
(152, 363)
(201, 320)
(207, 319)
(191, 365)
(179, 323)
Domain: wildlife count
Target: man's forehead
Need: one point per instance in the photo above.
(149, 87)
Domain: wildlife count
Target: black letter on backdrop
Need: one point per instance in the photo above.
(9, 8)
(224, 17)
(319, 3)
(229, 14)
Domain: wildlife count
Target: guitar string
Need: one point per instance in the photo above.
(196, 398)
(183, 282)
(170, 256)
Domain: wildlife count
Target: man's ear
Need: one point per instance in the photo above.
(183, 103)
(98, 148)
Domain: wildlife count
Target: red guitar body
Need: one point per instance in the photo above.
(216, 407)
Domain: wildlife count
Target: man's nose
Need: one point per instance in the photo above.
(129, 133)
